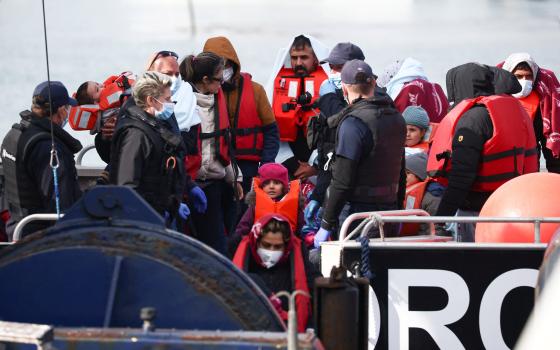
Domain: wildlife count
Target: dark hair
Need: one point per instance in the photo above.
(277, 226)
(82, 96)
(523, 66)
(40, 106)
(194, 68)
(300, 42)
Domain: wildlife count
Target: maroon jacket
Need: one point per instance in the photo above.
(429, 96)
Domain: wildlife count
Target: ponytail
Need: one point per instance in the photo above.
(194, 68)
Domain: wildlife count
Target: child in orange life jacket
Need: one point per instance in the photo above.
(417, 123)
(277, 260)
(421, 193)
(88, 93)
(272, 193)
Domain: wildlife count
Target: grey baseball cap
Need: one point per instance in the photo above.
(344, 52)
(357, 72)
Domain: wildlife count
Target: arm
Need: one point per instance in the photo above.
(472, 131)
(402, 184)
(134, 148)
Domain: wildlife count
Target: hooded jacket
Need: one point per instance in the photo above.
(292, 272)
(474, 128)
(547, 87)
(222, 46)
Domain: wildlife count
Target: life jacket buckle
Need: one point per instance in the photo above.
(172, 160)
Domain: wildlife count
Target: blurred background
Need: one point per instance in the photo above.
(90, 40)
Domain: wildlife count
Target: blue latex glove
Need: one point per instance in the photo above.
(184, 211)
(199, 199)
(327, 87)
(310, 211)
(321, 236)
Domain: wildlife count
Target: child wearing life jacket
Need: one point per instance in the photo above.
(421, 193)
(272, 192)
(417, 124)
(277, 260)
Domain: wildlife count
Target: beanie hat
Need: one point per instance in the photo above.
(274, 171)
(417, 116)
(416, 163)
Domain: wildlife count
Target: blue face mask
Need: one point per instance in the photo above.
(166, 112)
(175, 84)
(336, 80)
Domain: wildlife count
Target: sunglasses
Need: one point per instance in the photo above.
(164, 53)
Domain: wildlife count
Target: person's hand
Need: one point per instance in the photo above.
(184, 211)
(321, 236)
(310, 211)
(108, 128)
(327, 87)
(239, 190)
(304, 171)
(199, 199)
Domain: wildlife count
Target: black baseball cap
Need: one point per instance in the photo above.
(357, 72)
(344, 52)
(59, 94)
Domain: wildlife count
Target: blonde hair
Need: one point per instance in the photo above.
(150, 84)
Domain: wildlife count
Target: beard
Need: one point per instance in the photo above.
(301, 71)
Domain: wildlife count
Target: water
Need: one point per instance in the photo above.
(90, 40)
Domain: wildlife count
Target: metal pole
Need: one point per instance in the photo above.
(537, 231)
(28, 219)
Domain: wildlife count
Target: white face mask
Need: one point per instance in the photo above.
(336, 79)
(228, 74)
(175, 84)
(526, 88)
(269, 257)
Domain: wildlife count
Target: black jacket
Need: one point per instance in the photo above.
(148, 156)
(29, 179)
(475, 128)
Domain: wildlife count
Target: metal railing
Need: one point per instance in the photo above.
(31, 218)
(82, 153)
(379, 218)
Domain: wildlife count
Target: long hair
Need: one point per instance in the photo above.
(194, 68)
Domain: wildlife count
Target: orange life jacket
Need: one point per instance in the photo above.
(116, 89)
(531, 104)
(299, 278)
(510, 152)
(413, 200)
(221, 133)
(290, 115)
(247, 128)
(288, 206)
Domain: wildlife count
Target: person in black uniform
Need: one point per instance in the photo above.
(146, 151)
(26, 158)
(368, 168)
(331, 102)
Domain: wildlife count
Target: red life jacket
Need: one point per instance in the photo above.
(247, 128)
(531, 103)
(413, 200)
(299, 278)
(510, 152)
(290, 115)
(288, 206)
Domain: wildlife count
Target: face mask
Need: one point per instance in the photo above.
(336, 80)
(166, 112)
(526, 88)
(228, 74)
(269, 257)
(175, 84)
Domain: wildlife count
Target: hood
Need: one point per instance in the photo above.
(221, 46)
(515, 58)
(409, 70)
(256, 233)
(505, 82)
(469, 80)
(283, 60)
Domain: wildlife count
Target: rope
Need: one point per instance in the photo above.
(54, 163)
(364, 258)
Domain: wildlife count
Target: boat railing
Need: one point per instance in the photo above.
(378, 218)
(30, 218)
(82, 153)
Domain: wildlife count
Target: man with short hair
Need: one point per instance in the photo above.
(295, 90)
(368, 163)
(26, 158)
